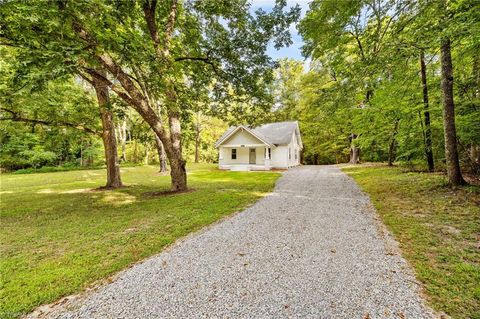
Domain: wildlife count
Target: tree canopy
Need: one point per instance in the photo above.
(178, 72)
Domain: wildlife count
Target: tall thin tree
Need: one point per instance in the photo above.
(426, 114)
(451, 153)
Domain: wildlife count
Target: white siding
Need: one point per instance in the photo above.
(226, 155)
(293, 148)
(294, 151)
(243, 155)
(242, 137)
(260, 155)
(280, 157)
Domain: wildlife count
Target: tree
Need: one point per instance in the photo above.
(372, 50)
(451, 154)
(40, 83)
(108, 134)
(426, 114)
(217, 47)
(162, 157)
(55, 119)
(349, 39)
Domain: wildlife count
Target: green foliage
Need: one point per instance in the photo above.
(211, 129)
(48, 169)
(212, 58)
(65, 236)
(365, 78)
(38, 157)
(44, 122)
(217, 52)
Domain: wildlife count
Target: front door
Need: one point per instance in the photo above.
(253, 156)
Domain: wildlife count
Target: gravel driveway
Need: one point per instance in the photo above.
(311, 249)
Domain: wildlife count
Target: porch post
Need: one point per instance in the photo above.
(267, 158)
(220, 157)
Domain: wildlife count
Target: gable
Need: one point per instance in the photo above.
(271, 134)
(296, 139)
(242, 137)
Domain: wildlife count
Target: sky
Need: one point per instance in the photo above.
(292, 51)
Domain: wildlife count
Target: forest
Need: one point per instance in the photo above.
(90, 83)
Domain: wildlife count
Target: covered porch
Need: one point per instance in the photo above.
(254, 157)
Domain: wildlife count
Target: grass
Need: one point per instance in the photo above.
(438, 229)
(58, 236)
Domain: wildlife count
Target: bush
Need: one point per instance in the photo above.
(9, 163)
(37, 157)
(48, 169)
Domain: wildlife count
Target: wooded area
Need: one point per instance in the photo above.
(167, 61)
(88, 83)
(381, 74)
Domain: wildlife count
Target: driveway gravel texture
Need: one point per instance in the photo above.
(313, 248)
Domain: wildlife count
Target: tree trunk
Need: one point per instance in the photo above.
(354, 150)
(392, 149)
(81, 153)
(108, 135)
(135, 151)
(147, 154)
(354, 154)
(426, 114)
(178, 171)
(122, 130)
(162, 156)
(197, 138)
(451, 154)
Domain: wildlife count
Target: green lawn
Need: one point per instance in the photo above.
(438, 230)
(58, 236)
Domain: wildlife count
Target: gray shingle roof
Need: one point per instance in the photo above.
(277, 133)
(273, 133)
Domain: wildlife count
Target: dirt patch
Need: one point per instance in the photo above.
(107, 188)
(450, 230)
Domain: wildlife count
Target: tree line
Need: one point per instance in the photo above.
(389, 81)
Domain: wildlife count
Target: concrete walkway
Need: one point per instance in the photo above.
(311, 249)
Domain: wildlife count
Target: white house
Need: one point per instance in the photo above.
(272, 145)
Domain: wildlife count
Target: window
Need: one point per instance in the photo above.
(296, 154)
(269, 153)
(234, 153)
(289, 153)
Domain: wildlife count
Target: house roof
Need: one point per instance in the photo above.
(270, 133)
